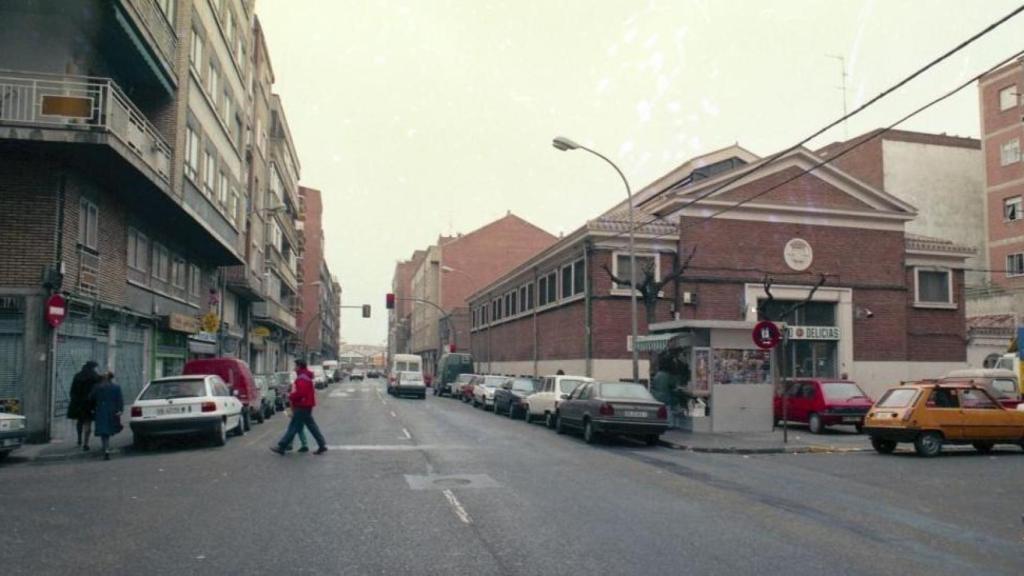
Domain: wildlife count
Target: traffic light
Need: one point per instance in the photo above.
(390, 301)
(366, 310)
(451, 348)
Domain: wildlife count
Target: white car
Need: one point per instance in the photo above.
(483, 390)
(12, 433)
(410, 383)
(544, 403)
(184, 406)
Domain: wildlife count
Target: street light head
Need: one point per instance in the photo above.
(563, 144)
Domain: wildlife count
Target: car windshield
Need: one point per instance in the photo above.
(524, 385)
(1006, 387)
(568, 385)
(839, 391)
(170, 389)
(493, 381)
(465, 377)
(897, 398)
(625, 390)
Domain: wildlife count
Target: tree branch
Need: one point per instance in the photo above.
(614, 278)
(806, 300)
(762, 308)
(677, 273)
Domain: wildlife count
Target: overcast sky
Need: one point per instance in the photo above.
(417, 118)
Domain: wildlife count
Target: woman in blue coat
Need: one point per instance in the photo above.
(109, 403)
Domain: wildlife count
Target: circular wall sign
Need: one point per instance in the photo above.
(766, 335)
(798, 254)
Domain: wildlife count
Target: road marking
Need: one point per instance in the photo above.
(393, 415)
(407, 435)
(350, 390)
(339, 394)
(392, 447)
(457, 507)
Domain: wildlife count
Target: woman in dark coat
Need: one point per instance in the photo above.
(109, 404)
(80, 407)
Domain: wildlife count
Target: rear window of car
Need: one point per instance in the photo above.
(567, 385)
(405, 366)
(839, 391)
(898, 398)
(524, 385)
(409, 376)
(493, 381)
(1006, 387)
(170, 389)
(625, 390)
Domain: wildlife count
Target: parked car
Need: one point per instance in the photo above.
(462, 388)
(1001, 384)
(373, 373)
(623, 408)
(484, 388)
(931, 414)
(820, 402)
(12, 433)
(449, 367)
(544, 403)
(319, 376)
(410, 384)
(268, 393)
(330, 367)
(239, 379)
(186, 405)
(283, 385)
(358, 374)
(510, 398)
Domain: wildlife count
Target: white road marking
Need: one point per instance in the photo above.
(392, 447)
(407, 435)
(350, 390)
(339, 394)
(393, 415)
(457, 507)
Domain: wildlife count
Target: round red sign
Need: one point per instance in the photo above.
(56, 310)
(766, 335)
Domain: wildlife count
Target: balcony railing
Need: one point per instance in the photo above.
(280, 265)
(81, 103)
(274, 312)
(162, 31)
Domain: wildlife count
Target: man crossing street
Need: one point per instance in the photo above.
(303, 399)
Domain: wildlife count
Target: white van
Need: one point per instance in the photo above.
(405, 363)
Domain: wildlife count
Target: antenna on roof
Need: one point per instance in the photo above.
(842, 71)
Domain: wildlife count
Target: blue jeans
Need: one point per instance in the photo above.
(302, 417)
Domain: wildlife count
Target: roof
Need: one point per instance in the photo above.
(929, 244)
(930, 138)
(617, 220)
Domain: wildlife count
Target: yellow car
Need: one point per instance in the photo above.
(933, 413)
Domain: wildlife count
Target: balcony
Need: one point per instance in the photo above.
(272, 312)
(156, 30)
(279, 264)
(244, 281)
(82, 110)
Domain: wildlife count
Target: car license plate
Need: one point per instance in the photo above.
(171, 410)
(634, 414)
(851, 419)
(11, 442)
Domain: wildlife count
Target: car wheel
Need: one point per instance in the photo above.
(246, 419)
(259, 416)
(549, 419)
(220, 434)
(883, 446)
(559, 427)
(814, 424)
(651, 440)
(528, 418)
(928, 444)
(589, 436)
(983, 447)
(511, 411)
(240, 428)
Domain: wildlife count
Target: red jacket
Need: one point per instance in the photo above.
(303, 394)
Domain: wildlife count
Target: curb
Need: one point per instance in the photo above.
(814, 449)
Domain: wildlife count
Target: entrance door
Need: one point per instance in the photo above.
(78, 341)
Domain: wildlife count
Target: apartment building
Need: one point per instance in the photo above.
(318, 320)
(400, 317)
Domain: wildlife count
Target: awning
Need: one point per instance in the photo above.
(659, 342)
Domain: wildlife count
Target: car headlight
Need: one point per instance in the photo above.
(12, 425)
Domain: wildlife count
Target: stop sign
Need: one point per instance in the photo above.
(56, 310)
(766, 335)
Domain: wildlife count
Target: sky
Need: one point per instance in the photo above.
(421, 118)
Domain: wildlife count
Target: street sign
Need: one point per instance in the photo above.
(766, 335)
(56, 310)
(261, 331)
(211, 322)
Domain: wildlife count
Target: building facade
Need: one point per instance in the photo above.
(318, 319)
(400, 317)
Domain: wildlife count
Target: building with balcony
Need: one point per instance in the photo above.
(318, 320)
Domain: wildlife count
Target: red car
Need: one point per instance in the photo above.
(236, 374)
(819, 403)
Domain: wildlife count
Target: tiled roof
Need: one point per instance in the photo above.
(920, 243)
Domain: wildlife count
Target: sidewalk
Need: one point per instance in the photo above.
(800, 442)
(67, 450)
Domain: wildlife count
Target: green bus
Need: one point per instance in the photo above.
(448, 369)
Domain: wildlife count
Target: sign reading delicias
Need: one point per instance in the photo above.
(812, 332)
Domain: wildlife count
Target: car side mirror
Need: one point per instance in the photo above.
(564, 396)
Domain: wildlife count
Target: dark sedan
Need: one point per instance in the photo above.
(510, 398)
(612, 408)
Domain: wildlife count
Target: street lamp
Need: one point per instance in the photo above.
(564, 144)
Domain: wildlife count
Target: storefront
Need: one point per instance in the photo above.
(171, 344)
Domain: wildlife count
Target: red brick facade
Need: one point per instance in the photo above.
(312, 259)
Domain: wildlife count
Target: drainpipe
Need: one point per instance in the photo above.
(588, 309)
(490, 325)
(536, 330)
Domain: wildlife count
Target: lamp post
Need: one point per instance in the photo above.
(562, 143)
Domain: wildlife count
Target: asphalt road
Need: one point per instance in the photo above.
(437, 487)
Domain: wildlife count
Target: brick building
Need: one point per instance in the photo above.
(400, 317)
(892, 306)
(318, 320)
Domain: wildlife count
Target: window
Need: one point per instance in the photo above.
(195, 279)
(167, 7)
(191, 153)
(223, 189)
(1010, 152)
(1015, 264)
(934, 286)
(228, 109)
(195, 55)
(230, 28)
(942, 398)
(543, 283)
(210, 174)
(88, 224)
(577, 277)
(643, 265)
(178, 273)
(508, 306)
(567, 281)
(514, 300)
(213, 82)
(529, 296)
(233, 204)
(138, 250)
(548, 289)
(1011, 209)
(161, 262)
(1008, 98)
(522, 299)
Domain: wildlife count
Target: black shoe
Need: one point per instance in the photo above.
(304, 449)
(320, 450)
(106, 455)
(277, 449)
(288, 448)
(85, 448)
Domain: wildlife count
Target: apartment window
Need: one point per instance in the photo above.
(210, 173)
(167, 7)
(178, 273)
(223, 189)
(529, 296)
(161, 262)
(548, 289)
(577, 277)
(542, 283)
(1010, 152)
(233, 204)
(522, 299)
(513, 298)
(934, 286)
(1011, 209)
(231, 29)
(643, 263)
(195, 280)
(567, 281)
(1008, 98)
(484, 313)
(195, 55)
(88, 224)
(1015, 264)
(213, 82)
(138, 250)
(191, 153)
(228, 108)
(258, 131)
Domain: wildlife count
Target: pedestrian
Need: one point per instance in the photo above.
(109, 405)
(304, 444)
(303, 399)
(80, 407)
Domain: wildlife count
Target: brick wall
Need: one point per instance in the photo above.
(863, 162)
(312, 259)
(113, 238)
(28, 197)
(808, 191)
(936, 335)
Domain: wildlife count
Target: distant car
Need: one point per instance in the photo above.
(12, 433)
(268, 393)
(510, 399)
(544, 402)
(1001, 384)
(463, 382)
(449, 367)
(821, 402)
(319, 377)
(373, 374)
(358, 375)
(409, 384)
(931, 414)
(484, 388)
(186, 405)
(621, 408)
(235, 373)
(283, 385)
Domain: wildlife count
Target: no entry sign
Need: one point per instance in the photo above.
(766, 335)
(56, 310)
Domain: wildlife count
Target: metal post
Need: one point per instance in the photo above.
(785, 389)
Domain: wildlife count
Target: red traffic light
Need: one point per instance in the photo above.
(451, 348)
(390, 301)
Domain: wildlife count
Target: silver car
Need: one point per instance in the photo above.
(612, 408)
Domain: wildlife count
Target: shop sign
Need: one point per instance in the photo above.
(211, 322)
(813, 332)
(205, 337)
(798, 254)
(182, 323)
(261, 331)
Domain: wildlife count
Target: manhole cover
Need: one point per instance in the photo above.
(443, 482)
(452, 482)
